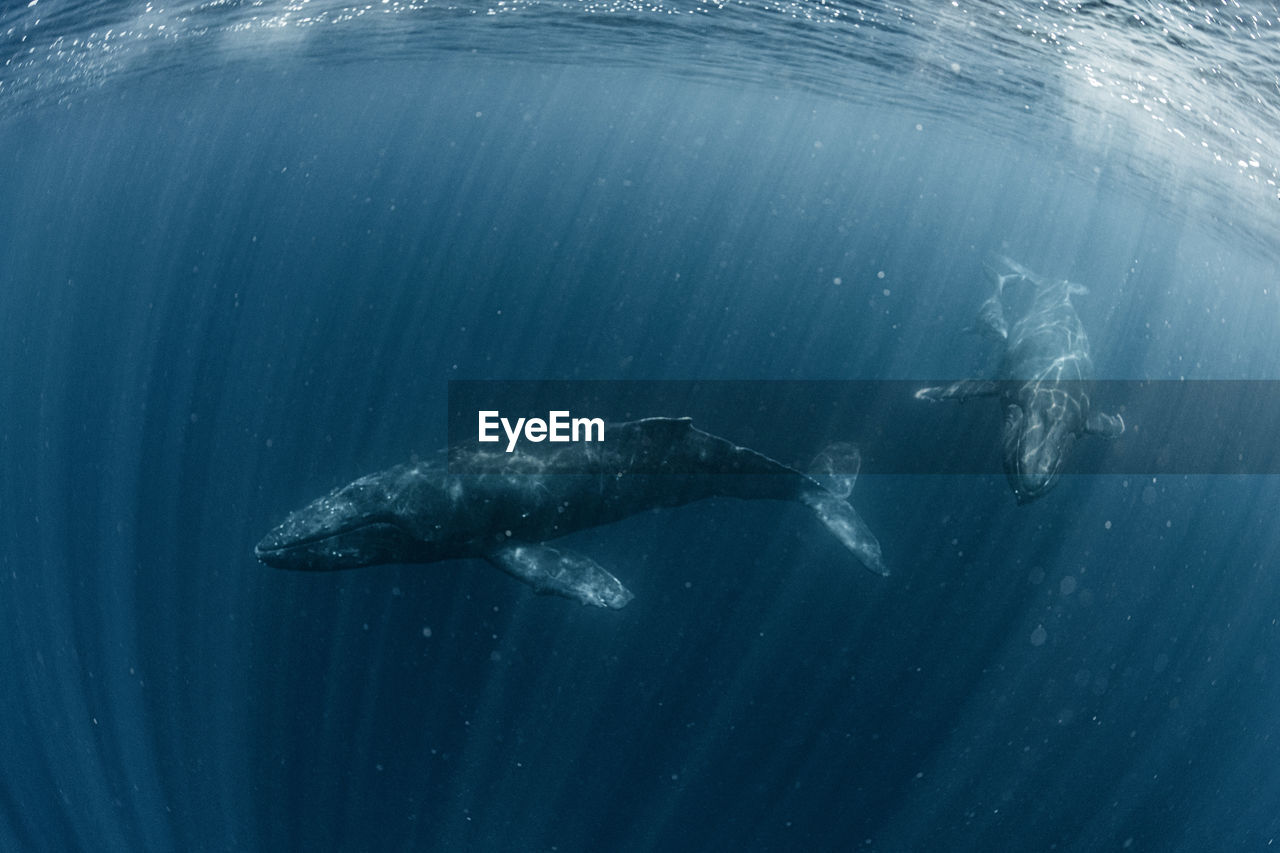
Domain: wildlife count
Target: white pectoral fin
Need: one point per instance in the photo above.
(552, 571)
(961, 391)
(1107, 426)
(844, 522)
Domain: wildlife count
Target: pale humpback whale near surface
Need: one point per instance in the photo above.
(424, 513)
(1045, 377)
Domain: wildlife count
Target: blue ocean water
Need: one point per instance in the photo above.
(245, 245)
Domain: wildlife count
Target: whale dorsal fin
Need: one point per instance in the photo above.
(670, 423)
(664, 429)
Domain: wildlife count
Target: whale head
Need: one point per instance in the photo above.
(1037, 437)
(353, 526)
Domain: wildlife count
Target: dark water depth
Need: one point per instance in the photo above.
(231, 281)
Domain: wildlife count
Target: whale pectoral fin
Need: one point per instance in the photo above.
(559, 572)
(961, 391)
(844, 522)
(1107, 426)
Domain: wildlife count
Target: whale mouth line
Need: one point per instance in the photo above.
(262, 549)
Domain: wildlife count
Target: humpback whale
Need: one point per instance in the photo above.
(1045, 377)
(504, 507)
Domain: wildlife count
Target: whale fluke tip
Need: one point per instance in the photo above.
(846, 525)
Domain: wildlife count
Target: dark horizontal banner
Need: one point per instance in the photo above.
(1172, 427)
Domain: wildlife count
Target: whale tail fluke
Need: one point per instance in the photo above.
(836, 468)
(835, 472)
(839, 516)
(1002, 271)
(1005, 270)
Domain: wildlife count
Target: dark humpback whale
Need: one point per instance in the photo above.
(425, 513)
(1045, 378)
